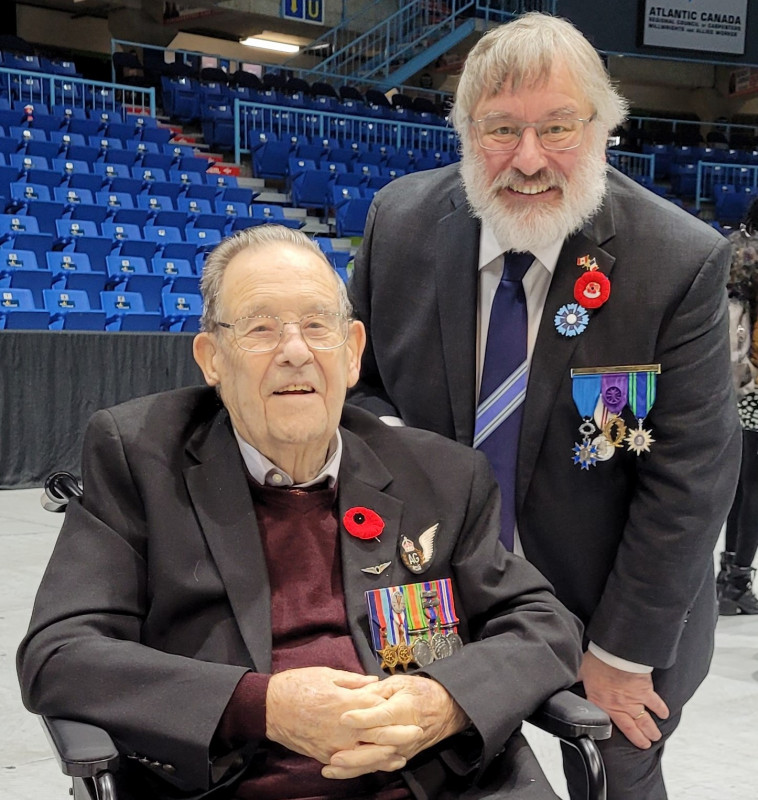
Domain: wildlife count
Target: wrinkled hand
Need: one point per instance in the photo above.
(624, 696)
(414, 714)
(304, 709)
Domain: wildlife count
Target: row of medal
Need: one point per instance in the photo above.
(414, 624)
(600, 395)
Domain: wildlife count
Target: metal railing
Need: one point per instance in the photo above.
(635, 165)
(711, 175)
(411, 31)
(51, 90)
(286, 121)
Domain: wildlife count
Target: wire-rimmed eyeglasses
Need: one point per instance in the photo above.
(499, 132)
(262, 333)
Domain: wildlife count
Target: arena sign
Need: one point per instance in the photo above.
(713, 26)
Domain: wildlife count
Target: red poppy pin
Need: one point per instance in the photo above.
(592, 289)
(363, 523)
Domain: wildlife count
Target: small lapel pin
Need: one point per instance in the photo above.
(377, 570)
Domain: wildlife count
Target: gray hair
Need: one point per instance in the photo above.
(256, 238)
(522, 53)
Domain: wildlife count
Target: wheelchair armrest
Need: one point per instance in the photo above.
(81, 750)
(568, 716)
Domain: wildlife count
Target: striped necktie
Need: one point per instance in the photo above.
(503, 385)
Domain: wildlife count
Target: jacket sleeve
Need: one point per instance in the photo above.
(684, 486)
(83, 656)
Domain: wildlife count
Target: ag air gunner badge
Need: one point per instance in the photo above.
(418, 557)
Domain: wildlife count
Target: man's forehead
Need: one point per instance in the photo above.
(276, 272)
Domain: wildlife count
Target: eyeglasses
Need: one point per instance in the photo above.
(261, 334)
(503, 133)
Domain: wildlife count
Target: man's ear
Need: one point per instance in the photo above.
(205, 351)
(356, 343)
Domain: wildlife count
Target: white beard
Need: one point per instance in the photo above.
(534, 225)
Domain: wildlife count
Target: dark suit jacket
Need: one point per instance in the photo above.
(156, 599)
(628, 543)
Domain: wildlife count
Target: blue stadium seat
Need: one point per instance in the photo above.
(271, 160)
(92, 183)
(173, 268)
(203, 237)
(70, 310)
(22, 193)
(262, 214)
(202, 191)
(69, 229)
(121, 231)
(351, 210)
(115, 201)
(13, 224)
(154, 203)
(94, 212)
(71, 197)
(181, 312)
(220, 180)
(47, 213)
(73, 270)
(18, 311)
(166, 189)
(125, 311)
(96, 247)
(131, 216)
(192, 206)
(126, 157)
(170, 219)
(162, 234)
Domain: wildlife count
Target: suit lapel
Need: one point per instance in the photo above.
(457, 243)
(221, 498)
(362, 478)
(553, 351)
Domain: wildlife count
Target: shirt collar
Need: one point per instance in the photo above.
(264, 471)
(490, 249)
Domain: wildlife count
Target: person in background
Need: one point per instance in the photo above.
(735, 579)
(547, 309)
(250, 557)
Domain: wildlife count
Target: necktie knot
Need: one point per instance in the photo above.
(515, 266)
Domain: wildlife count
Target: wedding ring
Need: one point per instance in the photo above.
(640, 715)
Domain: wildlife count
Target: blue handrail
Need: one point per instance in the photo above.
(50, 89)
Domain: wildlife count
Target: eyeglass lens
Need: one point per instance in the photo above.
(262, 333)
(500, 133)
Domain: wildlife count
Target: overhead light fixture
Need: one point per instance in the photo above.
(270, 44)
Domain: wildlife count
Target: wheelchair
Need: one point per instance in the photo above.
(87, 754)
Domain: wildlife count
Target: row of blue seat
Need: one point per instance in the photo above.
(35, 63)
(69, 309)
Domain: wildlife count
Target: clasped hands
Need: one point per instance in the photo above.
(356, 724)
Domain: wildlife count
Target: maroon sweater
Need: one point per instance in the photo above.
(299, 530)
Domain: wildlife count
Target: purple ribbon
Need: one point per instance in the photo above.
(614, 391)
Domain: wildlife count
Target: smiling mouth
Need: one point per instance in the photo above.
(295, 388)
(531, 190)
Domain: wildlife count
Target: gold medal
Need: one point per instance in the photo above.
(614, 430)
(389, 657)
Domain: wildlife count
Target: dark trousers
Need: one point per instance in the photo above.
(742, 522)
(632, 774)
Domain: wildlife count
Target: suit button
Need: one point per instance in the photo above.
(170, 768)
(144, 760)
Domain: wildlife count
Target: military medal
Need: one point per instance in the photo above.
(414, 624)
(585, 389)
(642, 386)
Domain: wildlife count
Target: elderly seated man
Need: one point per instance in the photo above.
(264, 593)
